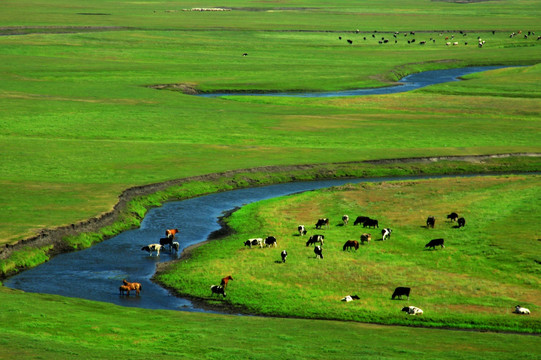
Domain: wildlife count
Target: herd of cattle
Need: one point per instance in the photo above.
(448, 39)
(319, 239)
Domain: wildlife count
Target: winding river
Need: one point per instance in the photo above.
(103, 266)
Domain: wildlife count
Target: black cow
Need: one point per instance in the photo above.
(271, 241)
(360, 220)
(452, 216)
(399, 291)
(167, 241)
(284, 256)
(314, 239)
(430, 222)
(461, 222)
(371, 223)
(322, 222)
(435, 242)
(319, 251)
(218, 290)
(350, 41)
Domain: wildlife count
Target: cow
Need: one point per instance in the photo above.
(318, 251)
(360, 220)
(365, 238)
(412, 310)
(283, 254)
(521, 310)
(215, 289)
(386, 234)
(345, 219)
(270, 241)
(151, 248)
(322, 222)
(171, 233)
(430, 222)
(302, 231)
(453, 216)
(225, 280)
(175, 246)
(254, 242)
(371, 223)
(349, 298)
(448, 43)
(351, 244)
(461, 222)
(350, 41)
(245, 54)
(167, 241)
(400, 291)
(435, 242)
(314, 239)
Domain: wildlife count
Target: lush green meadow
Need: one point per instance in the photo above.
(80, 122)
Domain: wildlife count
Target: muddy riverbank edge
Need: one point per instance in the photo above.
(242, 178)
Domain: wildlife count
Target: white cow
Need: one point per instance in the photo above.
(350, 298)
(412, 310)
(521, 310)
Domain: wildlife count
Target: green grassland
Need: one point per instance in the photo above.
(486, 268)
(79, 123)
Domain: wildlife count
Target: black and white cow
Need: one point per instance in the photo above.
(219, 290)
(412, 310)
(366, 237)
(360, 220)
(371, 223)
(521, 310)
(270, 241)
(302, 231)
(452, 216)
(151, 248)
(435, 242)
(349, 298)
(318, 251)
(176, 246)
(430, 222)
(322, 222)
(386, 234)
(401, 291)
(254, 242)
(345, 219)
(314, 239)
(283, 254)
(461, 222)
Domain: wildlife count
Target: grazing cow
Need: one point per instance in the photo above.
(215, 289)
(400, 291)
(170, 233)
(453, 216)
(314, 239)
(365, 238)
(435, 242)
(360, 220)
(351, 244)
(448, 43)
(124, 289)
(254, 242)
(350, 41)
(386, 233)
(322, 222)
(283, 254)
(245, 54)
(225, 280)
(430, 222)
(270, 241)
(461, 222)
(175, 246)
(318, 251)
(133, 286)
(345, 219)
(349, 298)
(302, 230)
(371, 223)
(521, 310)
(412, 310)
(422, 42)
(455, 43)
(167, 241)
(151, 248)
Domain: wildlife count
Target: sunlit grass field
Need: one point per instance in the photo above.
(485, 269)
(79, 124)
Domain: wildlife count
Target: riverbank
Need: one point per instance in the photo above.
(134, 202)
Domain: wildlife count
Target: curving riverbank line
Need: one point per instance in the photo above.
(266, 175)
